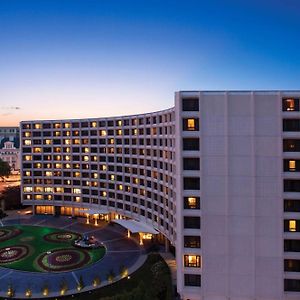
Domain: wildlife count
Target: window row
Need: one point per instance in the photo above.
(103, 123)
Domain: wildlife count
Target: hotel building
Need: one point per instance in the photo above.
(217, 175)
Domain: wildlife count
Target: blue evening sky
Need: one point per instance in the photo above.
(93, 58)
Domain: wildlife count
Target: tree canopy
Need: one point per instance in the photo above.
(4, 169)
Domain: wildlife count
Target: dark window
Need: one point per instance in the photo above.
(290, 104)
(292, 265)
(191, 202)
(190, 104)
(291, 165)
(292, 205)
(191, 163)
(292, 245)
(192, 280)
(291, 185)
(291, 125)
(193, 183)
(292, 285)
(191, 241)
(192, 222)
(291, 145)
(190, 124)
(191, 144)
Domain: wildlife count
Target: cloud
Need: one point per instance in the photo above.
(10, 107)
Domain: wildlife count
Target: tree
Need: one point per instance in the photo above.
(4, 169)
(11, 197)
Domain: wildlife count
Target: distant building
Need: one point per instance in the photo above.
(11, 134)
(11, 154)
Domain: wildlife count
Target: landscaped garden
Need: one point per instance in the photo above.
(43, 249)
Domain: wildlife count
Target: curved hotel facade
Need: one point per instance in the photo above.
(217, 176)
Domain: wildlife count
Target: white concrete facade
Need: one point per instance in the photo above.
(217, 175)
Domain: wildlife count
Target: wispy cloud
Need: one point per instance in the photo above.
(10, 108)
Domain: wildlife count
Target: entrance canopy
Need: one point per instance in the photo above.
(135, 226)
(94, 211)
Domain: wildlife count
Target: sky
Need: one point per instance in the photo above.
(97, 58)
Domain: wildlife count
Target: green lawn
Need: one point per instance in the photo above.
(33, 238)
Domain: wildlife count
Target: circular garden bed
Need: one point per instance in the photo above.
(43, 249)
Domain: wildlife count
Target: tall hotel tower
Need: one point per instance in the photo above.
(217, 175)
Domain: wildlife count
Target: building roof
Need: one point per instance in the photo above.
(135, 226)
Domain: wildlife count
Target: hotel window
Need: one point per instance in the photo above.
(291, 165)
(291, 145)
(292, 245)
(191, 222)
(37, 126)
(190, 124)
(291, 226)
(191, 203)
(190, 104)
(27, 142)
(191, 183)
(292, 265)
(191, 144)
(27, 189)
(192, 261)
(292, 125)
(76, 191)
(192, 280)
(292, 285)
(290, 104)
(191, 241)
(191, 163)
(292, 185)
(292, 205)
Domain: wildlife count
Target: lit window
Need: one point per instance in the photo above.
(49, 197)
(68, 166)
(48, 173)
(103, 132)
(112, 177)
(37, 150)
(95, 175)
(58, 189)
(192, 202)
(27, 189)
(48, 142)
(39, 189)
(77, 174)
(67, 142)
(28, 157)
(111, 141)
(77, 199)
(119, 132)
(103, 167)
(292, 165)
(27, 134)
(120, 187)
(27, 142)
(28, 173)
(57, 133)
(104, 194)
(57, 166)
(192, 261)
(119, 123)
(76, 141)
(290, 104)
(57, 125)
(67, 125)
(86, 150)
(94, 124)
(86, 158)
(76, 191)
(38, 197)
(135, 132)
(48, 189)
(67, 157)
(37, 126)
(292, 225)
(191, 124)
